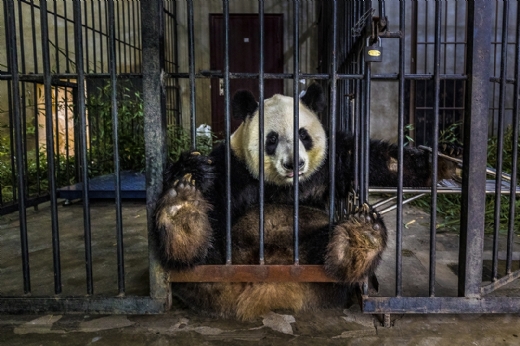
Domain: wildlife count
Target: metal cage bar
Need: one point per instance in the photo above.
(117, 169)
(435, 148)
(78, 40)
(296, 110)
(475, 128)
(501, 130)
(261, 144)
(515, 134)
(50, 147)
(227, 128)
(400, 158)
(15, 97)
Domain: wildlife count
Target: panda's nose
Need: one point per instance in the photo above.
(289, 165)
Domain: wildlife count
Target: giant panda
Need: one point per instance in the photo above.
(190, 217)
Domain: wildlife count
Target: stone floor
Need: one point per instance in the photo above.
(181, 326)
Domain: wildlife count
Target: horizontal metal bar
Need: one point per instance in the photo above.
(426, 76)
(403, 202)
(102, 305)
(440, 190)
(253, 75)
(30, 202)
(339, 76)
(38, 77)
(440, 305)
(252, 273)
(390, 34)
(500, 282)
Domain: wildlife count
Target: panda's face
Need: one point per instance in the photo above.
(279, 167)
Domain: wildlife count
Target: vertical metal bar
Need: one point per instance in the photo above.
(57, 67)
(296, 135)
(94, 43)
(227, 126)
(13, 68)
(134, 29)
(154, 130)
(382, 12)
(47, 79)
(139, 36)
(400, 155)
(176, 55)
(78, 40)
(261, 142)
(67, 139)
(100, 21)
(435, 145)
(85, 38)
(36, 106)
(500, 135)
(115, 139)
(514, 166)
(365, 134)
(479, 26)
(119, 40)
(333, 111)
(121, 18)
(191, 60)
(23, 98)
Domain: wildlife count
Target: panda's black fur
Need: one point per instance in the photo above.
(190, 217)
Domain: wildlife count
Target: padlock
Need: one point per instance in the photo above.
(374, 52)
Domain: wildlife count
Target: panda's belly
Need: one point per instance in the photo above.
(278, 234)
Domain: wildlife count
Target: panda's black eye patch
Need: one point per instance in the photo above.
(271, 142)
(305, 138)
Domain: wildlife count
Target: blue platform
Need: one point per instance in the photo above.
(133, 186)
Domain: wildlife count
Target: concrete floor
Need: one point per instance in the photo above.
(186, 327)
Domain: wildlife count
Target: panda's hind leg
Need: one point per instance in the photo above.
(182, 229)
(356, 245)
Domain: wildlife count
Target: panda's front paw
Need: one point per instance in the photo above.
(194, 168)
(183, 231)
(356, 245)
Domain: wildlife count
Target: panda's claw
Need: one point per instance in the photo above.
(355, 247)
(187, 177)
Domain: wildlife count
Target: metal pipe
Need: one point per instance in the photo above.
(227, 127)
(333, 110)
(78, 39)
(514, 166)
(261, 142)
(400, 157)
(13, 67)
(435, 148)
(49, 142)
(500, 136)
(115, 139)
(191, 59)
(296, 135)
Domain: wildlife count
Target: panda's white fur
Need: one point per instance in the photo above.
(279, 117)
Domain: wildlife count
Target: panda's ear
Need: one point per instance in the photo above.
(244, 104)
(314, 98)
